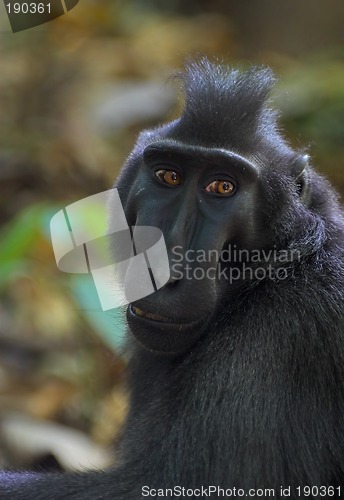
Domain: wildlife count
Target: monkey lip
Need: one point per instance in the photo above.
(148, 315)
(139, 313)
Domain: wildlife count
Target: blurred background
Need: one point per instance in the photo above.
(74, 94)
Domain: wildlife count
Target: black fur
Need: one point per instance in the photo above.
(256, 398)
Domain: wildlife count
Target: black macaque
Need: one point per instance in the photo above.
(236, 370)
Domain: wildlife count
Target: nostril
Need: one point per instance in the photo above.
(172, 282)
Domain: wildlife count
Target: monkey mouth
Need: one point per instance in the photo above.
(163, 334)
(138, 313)
(147, 315)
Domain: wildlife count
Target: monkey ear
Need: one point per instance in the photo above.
(300, 172)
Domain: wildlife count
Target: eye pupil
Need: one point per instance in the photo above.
(170, 177)
(220, 187)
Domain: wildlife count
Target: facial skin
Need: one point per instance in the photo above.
(202, 199)
(204, 181)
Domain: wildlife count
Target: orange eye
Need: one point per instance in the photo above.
(170, 177)
(226, 188)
